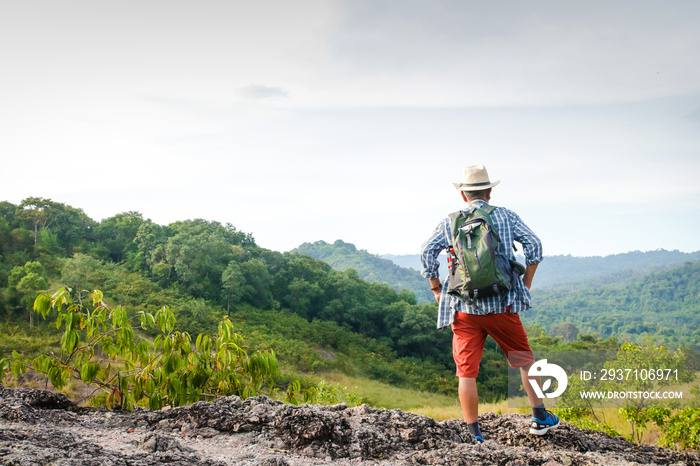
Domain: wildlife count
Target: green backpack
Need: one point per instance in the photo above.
(478, 266)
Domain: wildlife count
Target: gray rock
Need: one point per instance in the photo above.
(271, 461)
(154, 442)
(37, 427)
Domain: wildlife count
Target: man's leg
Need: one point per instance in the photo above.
(542, 420)
(508, 331)
(469, 399)
(467, 348)
(535, 401)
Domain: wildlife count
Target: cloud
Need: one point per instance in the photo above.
(259, 92)
(538, 53)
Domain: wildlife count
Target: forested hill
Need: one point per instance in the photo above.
(589, 271)
(664, 305)
(343, 256)
(315, 318)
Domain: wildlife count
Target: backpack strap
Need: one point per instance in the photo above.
(456, 216)
(489, 210)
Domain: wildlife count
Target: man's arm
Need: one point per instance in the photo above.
(430, 250)
(436, 288)
(529, 274)
(532, 248)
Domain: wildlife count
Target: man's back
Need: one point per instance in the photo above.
(510, 229)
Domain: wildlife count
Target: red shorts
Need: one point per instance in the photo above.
(469, 334)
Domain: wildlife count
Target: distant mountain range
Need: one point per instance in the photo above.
(571, 271)
(624, 295)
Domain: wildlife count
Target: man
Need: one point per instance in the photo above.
(495, 315)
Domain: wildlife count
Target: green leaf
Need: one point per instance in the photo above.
(123, 384)
(137, 392)
(4, 367)
(42, 305)
(94, 371)
(97, 298)
(84, 371)
(167, 345)
(155, 402)
(206, 342)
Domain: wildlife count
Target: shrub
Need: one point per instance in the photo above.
(99, 347)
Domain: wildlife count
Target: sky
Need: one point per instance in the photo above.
(323, 120)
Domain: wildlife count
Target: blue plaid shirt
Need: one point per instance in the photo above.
(510, 228)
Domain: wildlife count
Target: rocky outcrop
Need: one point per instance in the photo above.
(40, 427)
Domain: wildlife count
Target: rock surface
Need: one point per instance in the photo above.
(39, 427)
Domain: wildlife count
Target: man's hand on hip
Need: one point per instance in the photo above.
(436, 288)
(529, 275)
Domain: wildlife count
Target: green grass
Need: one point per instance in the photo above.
(383, 395)
(30, 342)
(387, 396)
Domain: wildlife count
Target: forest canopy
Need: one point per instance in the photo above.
(314, 317)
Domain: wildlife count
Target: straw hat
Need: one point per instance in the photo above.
(476, 178)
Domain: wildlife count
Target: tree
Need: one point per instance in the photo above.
(407, 296)
(28, 287)
(418, 330)
(198, 259)
(235, 237)
(27, 282)
(346, 293)
(232, 284)
(193, 253)
(302, 295)
(118, 234)
(683, 428)
(20, 240)
(566, 330)
(83, 273)
(36, 213)
(48, 243)
(150, 245)
(69, 224)
(257, 288)
(4, 235)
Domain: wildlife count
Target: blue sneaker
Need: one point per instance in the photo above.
(479, 438)
(540, 427)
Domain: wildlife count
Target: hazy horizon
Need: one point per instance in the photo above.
(569, 255)
(327, 119)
